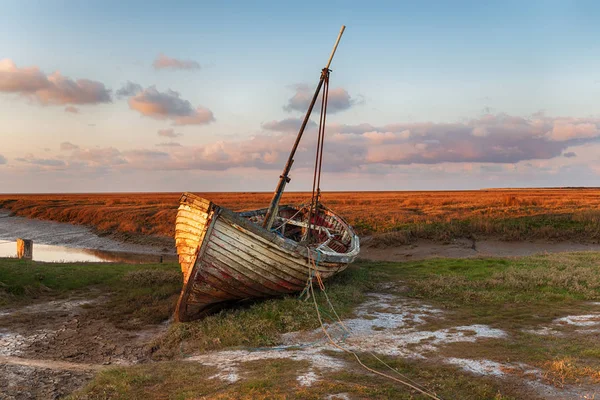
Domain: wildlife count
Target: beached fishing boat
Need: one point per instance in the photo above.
(227, 256)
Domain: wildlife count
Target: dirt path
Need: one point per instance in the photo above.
(465, 248)
(49, 364)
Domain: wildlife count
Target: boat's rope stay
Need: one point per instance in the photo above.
(313, 272)
(316, 186)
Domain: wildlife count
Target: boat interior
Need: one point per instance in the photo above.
(326, 231)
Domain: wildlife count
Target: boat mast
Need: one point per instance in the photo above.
(284, 177)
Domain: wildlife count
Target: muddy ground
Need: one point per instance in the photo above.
(51, 348)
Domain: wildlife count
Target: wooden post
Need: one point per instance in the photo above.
(25, 248)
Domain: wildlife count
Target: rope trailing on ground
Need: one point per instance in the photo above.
(405, 381)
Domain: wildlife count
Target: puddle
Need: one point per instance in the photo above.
(56, 242)
(53, 253)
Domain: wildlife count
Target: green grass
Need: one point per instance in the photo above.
(511, 294)
(276, 379)
(514, 295)
(554, 278)
(261, 323)
(138, 293)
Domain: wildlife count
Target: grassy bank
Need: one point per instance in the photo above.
(555, 214)
(573, 227)
(515, 295)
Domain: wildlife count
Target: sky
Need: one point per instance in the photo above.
(113, 96)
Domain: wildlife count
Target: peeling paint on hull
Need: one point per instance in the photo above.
(225, 257)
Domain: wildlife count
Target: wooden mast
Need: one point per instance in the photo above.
(284, 177)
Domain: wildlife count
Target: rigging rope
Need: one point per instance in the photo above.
(405, 381)
(316, 187)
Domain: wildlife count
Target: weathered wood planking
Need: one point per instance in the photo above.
(227, 256)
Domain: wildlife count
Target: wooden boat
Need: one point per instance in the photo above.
(226, 256)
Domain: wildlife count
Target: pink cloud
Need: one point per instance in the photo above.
(163, 62)
(509, 140)
(339, 99)
(567, 129)
(169, 105)
(287, 125)
(50, 89)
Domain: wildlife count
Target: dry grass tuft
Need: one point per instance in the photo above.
(565, 371)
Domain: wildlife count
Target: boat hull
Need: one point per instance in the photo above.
(227, 258)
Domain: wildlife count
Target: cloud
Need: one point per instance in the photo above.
(497, 138)
(570, 128)
(50, 89)
(339, 99)
(21, 80)
(68, 146)
(438, 148)
(287, 125)
(43, 162)
(163, 62)
(169, 144)
(144, 158)
(168, 133)
(570, 154)
(169, 105)
(98, 157)
(2, 159)
(72, 110)
(129, 89)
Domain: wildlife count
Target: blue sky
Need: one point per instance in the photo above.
(421, 78)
